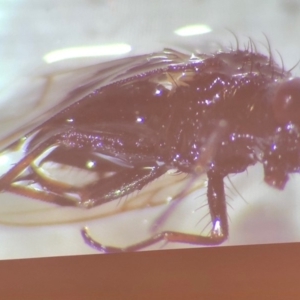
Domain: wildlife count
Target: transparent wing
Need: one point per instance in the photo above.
(28, 102)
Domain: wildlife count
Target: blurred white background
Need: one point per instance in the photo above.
(31, 29)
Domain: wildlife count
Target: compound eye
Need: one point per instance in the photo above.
(286, 103)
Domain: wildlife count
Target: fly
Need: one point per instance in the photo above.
(216, 114)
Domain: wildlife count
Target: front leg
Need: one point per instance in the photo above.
(218, 212)
(217, 205)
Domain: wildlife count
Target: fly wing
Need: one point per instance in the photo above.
(29, 102)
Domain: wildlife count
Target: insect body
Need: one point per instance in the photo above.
(216, 113)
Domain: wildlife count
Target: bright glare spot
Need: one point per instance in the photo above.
(4, 159)
(169, 199)
(193, 30)
(217, 227)
(93, 51)
(90, 164)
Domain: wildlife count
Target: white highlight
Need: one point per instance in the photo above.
(191, 30)
(93, 51)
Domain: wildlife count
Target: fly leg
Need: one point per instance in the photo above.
(218, 212)
(122, 179)
(91, 195)
(12, 176)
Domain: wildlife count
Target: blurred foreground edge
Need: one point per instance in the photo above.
(253, 272)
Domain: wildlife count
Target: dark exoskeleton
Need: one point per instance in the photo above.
(214, 114)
